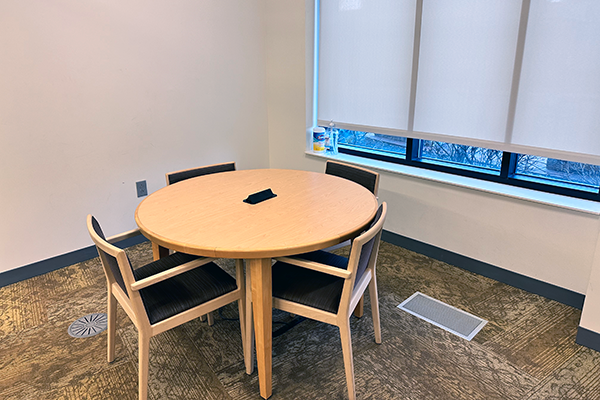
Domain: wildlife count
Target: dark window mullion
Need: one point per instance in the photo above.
(412, 150)
(509, 165)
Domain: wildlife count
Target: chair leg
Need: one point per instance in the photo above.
(112, 325)
(144, 355)
(359, 310)
(249, 338)
(243, 328)
(375, 308)
(159, 252)
(348, 361)
(239, 278)
(211, 320)
(239, 264)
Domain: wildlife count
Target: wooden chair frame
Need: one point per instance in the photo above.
(131, 300)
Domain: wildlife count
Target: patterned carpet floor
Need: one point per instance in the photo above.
(527, 350)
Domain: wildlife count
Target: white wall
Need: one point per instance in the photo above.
(96, 95)
(554, 245)
(551, 244)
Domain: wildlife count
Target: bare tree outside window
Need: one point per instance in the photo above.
(461, 154)
(558, 170)
(373, 141)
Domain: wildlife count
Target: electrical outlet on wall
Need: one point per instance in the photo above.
(141, 188)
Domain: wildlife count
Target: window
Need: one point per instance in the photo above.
(534, 172)
(454, 86)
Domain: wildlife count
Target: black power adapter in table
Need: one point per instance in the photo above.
(258, 197)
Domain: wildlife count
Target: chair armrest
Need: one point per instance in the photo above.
(324, 268)
(123, 236)
(171, 272)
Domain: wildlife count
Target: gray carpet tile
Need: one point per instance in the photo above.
(527, 351)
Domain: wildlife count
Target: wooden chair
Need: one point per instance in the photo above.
(162, 294)
(365, 177)
(178, 176)
(326, 287)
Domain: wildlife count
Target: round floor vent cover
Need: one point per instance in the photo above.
(89, 325)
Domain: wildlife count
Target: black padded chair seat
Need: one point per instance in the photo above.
(309, 287)
(181, 292)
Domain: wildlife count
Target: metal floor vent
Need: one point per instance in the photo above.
(89, 325)
(442, 315)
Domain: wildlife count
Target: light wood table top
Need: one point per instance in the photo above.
(206, 216)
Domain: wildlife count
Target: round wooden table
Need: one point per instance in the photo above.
(206, 216)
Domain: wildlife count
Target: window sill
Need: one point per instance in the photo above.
(555, 200)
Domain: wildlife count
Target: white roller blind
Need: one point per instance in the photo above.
(365, 59)
(558, 107)
(466, 67)
(514, 75)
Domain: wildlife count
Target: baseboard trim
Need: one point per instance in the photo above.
(63, 260)
(531, 285)
(514, 279)
(588, 338)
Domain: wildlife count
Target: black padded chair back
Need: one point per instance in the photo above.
(108, 259)
(367, 248)
(362, 176)
(179, 176)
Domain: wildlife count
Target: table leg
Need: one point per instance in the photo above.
(262, 305)
(159, 252)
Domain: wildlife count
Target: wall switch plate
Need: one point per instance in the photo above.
(141, 188)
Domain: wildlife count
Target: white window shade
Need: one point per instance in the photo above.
(558, 108)
(365, 62)
(466, 67)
